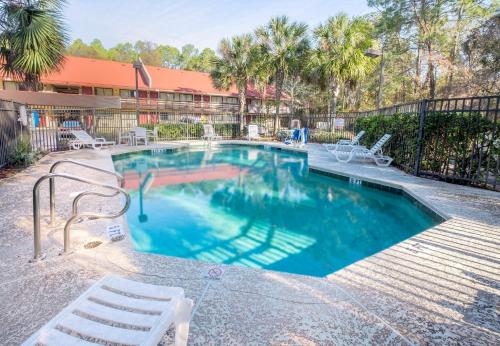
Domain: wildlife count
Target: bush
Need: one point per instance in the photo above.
(453, 143)
(190, 130)
(23, 155)
(319, 136)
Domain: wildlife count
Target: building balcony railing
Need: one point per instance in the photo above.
(159, 104)
(192, 106)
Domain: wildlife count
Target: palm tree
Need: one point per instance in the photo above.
(284, 42)
(262, 75)
(235, 67)
(33, 38)
(339, 59)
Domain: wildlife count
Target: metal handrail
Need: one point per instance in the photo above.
(36, 209)
(89, 193)
(52, 187)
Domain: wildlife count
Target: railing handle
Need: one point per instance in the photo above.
(89, 193)
(75, 216)
(36, 208)
(78, 163)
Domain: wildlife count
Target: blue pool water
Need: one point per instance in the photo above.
(261, 208)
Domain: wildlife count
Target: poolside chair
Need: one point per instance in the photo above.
(297, 137)
(124, 135)
(140, 134)
(374, 153)
(119, 311)
(83, 139)
(209, 133)
(253, 132)
(153, 134)
(293, 137)
(345, 142)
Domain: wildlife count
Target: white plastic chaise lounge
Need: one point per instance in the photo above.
(253, 132)
(374, 153)
(345, 143)
(83, 139)
(209, 133)
(119, 311)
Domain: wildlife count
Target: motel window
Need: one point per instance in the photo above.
(167, 96)
(216, 99)
(103, 91)
(87, 90)
(9, 85)
(176, 97)
(124, 93)
(185, 97)
(231, 100)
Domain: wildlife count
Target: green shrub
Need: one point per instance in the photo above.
(22, 155)
(319, 136)
(453, 143)
(190, 130)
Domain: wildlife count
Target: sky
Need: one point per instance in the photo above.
(202, 23)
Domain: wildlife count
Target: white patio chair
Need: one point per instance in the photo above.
(253, 132)
(119, 311)
(345, 143)
(140, 134)
(374, 153)
(209, 133)
(124, 135)
(83, 139)
(153, 134)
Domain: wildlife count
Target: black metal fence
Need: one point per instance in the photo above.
(51, 130)
(10, 129)
(455, 140)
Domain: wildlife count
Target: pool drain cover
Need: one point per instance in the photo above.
(92, 244)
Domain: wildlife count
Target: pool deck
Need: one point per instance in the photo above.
(441, 286)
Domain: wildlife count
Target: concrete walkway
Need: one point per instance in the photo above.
(441, 286)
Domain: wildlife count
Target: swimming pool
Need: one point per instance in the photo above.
(260, 207)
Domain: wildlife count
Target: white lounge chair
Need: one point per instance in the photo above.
(83, 139)
(374, 153)
(345, 143)
(209, 133)
(119, 311)
(253, 132)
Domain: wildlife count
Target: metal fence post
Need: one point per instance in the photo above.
(421, 122)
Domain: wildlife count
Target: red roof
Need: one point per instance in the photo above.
(80, 71)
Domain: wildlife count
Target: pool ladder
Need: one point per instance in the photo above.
(75, 215)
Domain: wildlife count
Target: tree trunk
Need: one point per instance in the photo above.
(335, 90)
(263, 105)
(432, 73)
(454, 52)
(381, 81)
(417, 70)
(242, 92)
(31, 83)
(279, 88)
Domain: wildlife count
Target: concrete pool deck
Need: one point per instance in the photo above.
(441, 286)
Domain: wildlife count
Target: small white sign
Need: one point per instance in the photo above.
(115, 232)
(338, 123)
